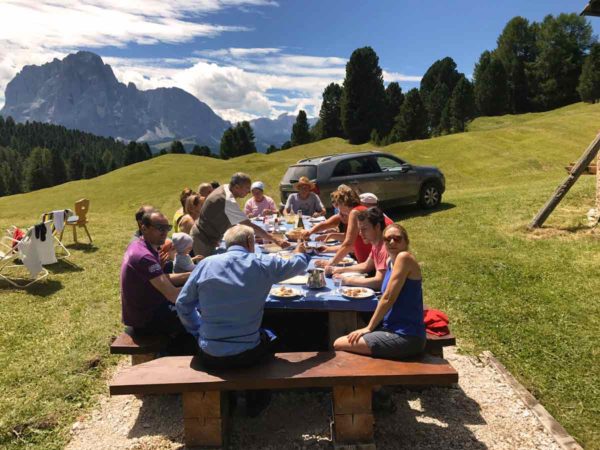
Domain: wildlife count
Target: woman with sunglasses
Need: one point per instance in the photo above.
(396, 329)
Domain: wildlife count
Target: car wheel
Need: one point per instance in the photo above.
(430, 195)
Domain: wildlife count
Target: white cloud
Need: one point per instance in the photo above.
(238, 83)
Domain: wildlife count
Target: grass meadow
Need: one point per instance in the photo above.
(529, 297)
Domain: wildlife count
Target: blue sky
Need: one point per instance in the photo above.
(250, 58)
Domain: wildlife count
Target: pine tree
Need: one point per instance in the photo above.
(491, 88)
(201, 150)
(238, 140)
(589, 82)
(330, 114)
(461, 107)
(131, 154)
(38, 169)
(107, 161)
(393, 101)
(271, 149)
(75, 166)
(227, 147)
(561, 45)
(516, 50)
(411, 122)
(177, 148)
(300, 132)
(436, 87)
(286, 145)
(363, 97)
(59, 169)
(89, 171)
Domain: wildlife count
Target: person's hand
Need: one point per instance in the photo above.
(305, 234)
(281, 242)
(357, 334)
(300, 248)
(316, 214)
(337, 270)
(321, 237)
(197, 258)
(329, 269)
(321, 263)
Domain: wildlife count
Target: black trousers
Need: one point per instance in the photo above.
(243, 359)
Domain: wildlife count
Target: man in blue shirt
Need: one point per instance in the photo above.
(222, 302)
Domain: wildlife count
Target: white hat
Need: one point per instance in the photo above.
(181, 241)
(368, 198)
(258, 185)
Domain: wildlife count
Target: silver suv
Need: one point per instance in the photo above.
(394, 181)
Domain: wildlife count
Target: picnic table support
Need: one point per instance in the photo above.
(340, 324)
(205, 418)
(353, 420)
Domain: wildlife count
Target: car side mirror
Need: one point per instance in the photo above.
(405, 167)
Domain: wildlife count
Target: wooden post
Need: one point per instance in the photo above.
(341, 323)
(139, 359)
(588, 156)
(352, 416)
(204, 418)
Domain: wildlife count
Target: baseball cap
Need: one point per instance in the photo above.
(368, 198)
(181, 241)
(258, 185)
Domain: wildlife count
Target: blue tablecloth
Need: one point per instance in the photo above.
(324, 299)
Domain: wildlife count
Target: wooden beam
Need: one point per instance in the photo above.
(585, 160)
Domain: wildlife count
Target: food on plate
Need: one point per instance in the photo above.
(346, 261)
(284, 255)
(357, 292)
(294, 234)
(271, 248)
(283, 291)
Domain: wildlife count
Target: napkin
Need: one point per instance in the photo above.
(300, 279)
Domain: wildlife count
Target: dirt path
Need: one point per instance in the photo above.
(483, 412)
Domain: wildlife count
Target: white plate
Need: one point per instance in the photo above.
(364, 292)
(317, 219)
(347, 261)
(295, 293)
(353, 275)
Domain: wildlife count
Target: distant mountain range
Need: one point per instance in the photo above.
(82, 92)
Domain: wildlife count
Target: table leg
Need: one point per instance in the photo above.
(204, 418)
(352, 416)
(341, 323)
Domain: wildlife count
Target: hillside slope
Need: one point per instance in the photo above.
(525, 297)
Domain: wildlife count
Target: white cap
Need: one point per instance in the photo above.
(368, 198)
(181, 241)
(258, 185)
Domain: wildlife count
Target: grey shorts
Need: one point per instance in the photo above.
(389, 345)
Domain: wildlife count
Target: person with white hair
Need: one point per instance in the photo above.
(222, 302)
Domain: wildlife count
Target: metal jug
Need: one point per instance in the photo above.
(316, 279)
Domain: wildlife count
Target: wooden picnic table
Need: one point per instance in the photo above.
(342, 313)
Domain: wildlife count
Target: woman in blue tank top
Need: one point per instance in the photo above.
(396, 329)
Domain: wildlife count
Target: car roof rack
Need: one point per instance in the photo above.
(334, 155)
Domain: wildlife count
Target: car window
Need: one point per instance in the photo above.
(294, 173)
(387, 164)
(355, 166)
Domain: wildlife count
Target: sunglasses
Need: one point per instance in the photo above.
(162, 227)
(393, 238)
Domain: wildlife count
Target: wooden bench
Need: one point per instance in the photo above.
(352, 378)
(141, 348)
(146, 348)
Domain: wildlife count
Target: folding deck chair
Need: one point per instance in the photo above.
(10, 253)
(50, 216)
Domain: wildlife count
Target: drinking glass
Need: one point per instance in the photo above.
(337, 283)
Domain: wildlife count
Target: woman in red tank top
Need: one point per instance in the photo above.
(349, 205)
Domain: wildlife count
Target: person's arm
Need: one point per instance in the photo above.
(163, 284)
(348, 244)
(319, 209)
(332, 222)
(288, 205)
(373, 282)
(188, 305)
(278, 269)
(178, 279)
(399, 275)
(248, 208)
(363, 267)
(265, 235)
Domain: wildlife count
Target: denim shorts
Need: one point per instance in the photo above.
(389, 345)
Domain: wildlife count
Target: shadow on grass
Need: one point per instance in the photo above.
(85, 248)
(64, 266)
(41, 288)
(409, 211)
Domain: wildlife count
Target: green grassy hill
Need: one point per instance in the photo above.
(531, 298)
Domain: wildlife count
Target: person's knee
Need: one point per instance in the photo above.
(340, 343)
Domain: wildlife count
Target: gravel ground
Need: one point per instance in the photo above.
(482, 412)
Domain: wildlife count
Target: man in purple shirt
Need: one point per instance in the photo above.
(147, 293)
